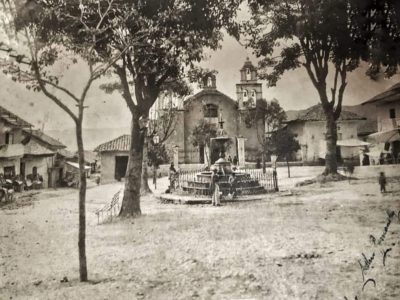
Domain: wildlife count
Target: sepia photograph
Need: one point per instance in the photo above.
(200, 149)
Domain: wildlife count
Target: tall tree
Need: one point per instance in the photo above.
(163, 123)
(38, 50)
(282, 143)
(272, 116)
(157, 41)
(328, 38)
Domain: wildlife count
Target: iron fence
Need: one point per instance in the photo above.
(252, 181)
(268, 180)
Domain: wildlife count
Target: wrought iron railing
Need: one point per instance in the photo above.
(110, 210)
(250, 181)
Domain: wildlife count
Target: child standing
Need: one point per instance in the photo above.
(382, 182)
(215, 189)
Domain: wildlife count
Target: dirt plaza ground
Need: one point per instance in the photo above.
(302, 243)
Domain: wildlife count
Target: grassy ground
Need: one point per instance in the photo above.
(304, 245)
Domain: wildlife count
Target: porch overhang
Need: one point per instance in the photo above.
(388, 136)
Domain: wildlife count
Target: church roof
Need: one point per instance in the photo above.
(316, 113)
(121, 143)
(208, 92)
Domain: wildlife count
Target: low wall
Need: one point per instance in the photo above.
(373, 171)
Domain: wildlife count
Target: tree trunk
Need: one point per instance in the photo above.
(82, 199)
(131, 202)
(264, 169)
(145, 189)
(331, 139)
(155, 176)
(288, 167)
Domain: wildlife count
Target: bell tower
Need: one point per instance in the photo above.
(209, 82)
(248, 91)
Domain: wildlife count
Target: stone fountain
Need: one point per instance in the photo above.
(244, 184)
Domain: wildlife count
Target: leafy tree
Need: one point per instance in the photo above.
(161, 128)
(201, 136)
(164, 125)
(157, 154)
(325, 37)
(38, 51)
(271, 115)
(155, 41)
(283, 143)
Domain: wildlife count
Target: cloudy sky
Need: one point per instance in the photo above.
(294, 91)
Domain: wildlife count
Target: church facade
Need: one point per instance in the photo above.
(212, 106)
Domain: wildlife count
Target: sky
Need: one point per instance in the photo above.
(294, 91)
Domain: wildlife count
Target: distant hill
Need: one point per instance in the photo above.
(92, 137)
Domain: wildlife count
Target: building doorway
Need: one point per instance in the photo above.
(121, 163)
(201, 153)
(22, 170)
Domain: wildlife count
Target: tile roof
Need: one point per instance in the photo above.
(45, 138)
(292, 115)
(66, 153)
(121, 143)
(390, 95)
(367, 127)
(35, 149)
(316, 113)
(13, 119)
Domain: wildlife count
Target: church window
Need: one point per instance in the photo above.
(245, 96)
(211, 111)
(248, 74)
(253, 94)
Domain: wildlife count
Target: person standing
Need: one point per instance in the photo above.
(382, 182)
(232, 185)
(215, 201)
(235, 160)
(172, 177)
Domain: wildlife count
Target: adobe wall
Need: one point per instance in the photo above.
(108, 165)
(17, 132)
(9, 163)
(176, 138)
(383, 115)
(252, 144)
(311, 136)
(42, 164)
